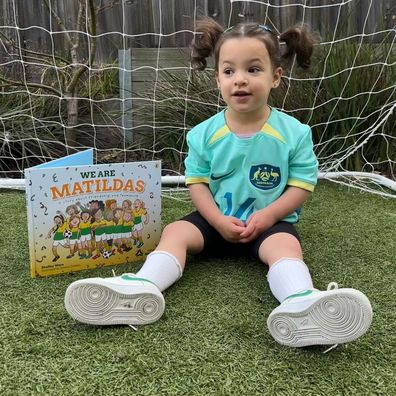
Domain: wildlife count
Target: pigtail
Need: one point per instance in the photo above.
(299, 41)
(208, 33)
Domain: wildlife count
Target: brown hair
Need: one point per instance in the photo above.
(210, 37)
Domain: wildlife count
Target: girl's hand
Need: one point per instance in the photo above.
(256, 224)
(230, 228)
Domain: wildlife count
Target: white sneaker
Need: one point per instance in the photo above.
(335, 316)
(124, 299)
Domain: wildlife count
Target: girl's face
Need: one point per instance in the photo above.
(117, 214)
(58, 221)
(137, 205)
(75, 221)
(109, 215)
(98, 214)
(245, 75)
(71, 211)
(85, 216)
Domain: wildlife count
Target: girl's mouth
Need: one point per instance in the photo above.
(241, 97)
(241, 93)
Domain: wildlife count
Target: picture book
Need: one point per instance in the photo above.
(86, 216)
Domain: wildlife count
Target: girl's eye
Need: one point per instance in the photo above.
(254, 70)
(228, 71)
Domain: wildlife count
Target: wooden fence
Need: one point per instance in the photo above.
(125, 23)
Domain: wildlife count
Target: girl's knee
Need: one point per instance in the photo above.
(173, 229)
(278, 246)
(183, 233)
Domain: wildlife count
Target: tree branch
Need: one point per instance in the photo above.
(59, 22)
(92, 31)
(92, 49)
(31, 84)
(43, 54)
(79, 21)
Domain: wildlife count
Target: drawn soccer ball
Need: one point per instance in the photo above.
(106, 254)
(67, 234)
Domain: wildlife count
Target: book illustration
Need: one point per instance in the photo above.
(99, 229)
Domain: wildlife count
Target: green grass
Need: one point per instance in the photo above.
(212, 339)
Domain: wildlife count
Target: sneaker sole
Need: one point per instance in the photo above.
(96, 303)
(338, 317)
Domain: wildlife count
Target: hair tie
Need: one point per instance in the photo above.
(268, 29)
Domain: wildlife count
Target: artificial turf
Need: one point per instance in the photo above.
(212, 339)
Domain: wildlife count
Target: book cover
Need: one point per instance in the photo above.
(86, 216)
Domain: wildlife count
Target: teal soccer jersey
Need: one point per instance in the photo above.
(246, 175)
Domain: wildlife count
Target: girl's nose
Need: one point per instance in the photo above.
(240, 79)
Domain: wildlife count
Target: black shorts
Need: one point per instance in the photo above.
(216, 245)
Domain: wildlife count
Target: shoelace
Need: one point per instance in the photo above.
(331, 286)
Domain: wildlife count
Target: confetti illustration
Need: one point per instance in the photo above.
(42, 206)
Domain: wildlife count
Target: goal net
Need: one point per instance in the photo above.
(115, 75)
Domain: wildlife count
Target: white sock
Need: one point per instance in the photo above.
(161, 268)
(288, 276)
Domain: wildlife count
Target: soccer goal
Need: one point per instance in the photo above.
(115, 75)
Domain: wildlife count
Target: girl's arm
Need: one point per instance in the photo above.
(51, 231)
(287, 203)
(229, 227)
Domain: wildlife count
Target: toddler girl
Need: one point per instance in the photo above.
(249, 170)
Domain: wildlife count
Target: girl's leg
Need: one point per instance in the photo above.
(165, 265)
(307, 316)
(72, 250)
(55, 252)
(287, 273)
(180, 238)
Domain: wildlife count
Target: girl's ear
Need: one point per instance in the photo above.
(278, 73)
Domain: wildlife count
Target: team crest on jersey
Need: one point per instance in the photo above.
(265, 176)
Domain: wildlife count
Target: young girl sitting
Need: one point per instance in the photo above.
(249, 169)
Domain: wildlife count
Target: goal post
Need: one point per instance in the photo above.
(116, 76)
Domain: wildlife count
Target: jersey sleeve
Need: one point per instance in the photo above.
(197, 163)
(303, 166)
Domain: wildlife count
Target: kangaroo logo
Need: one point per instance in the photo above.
(265, 176)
